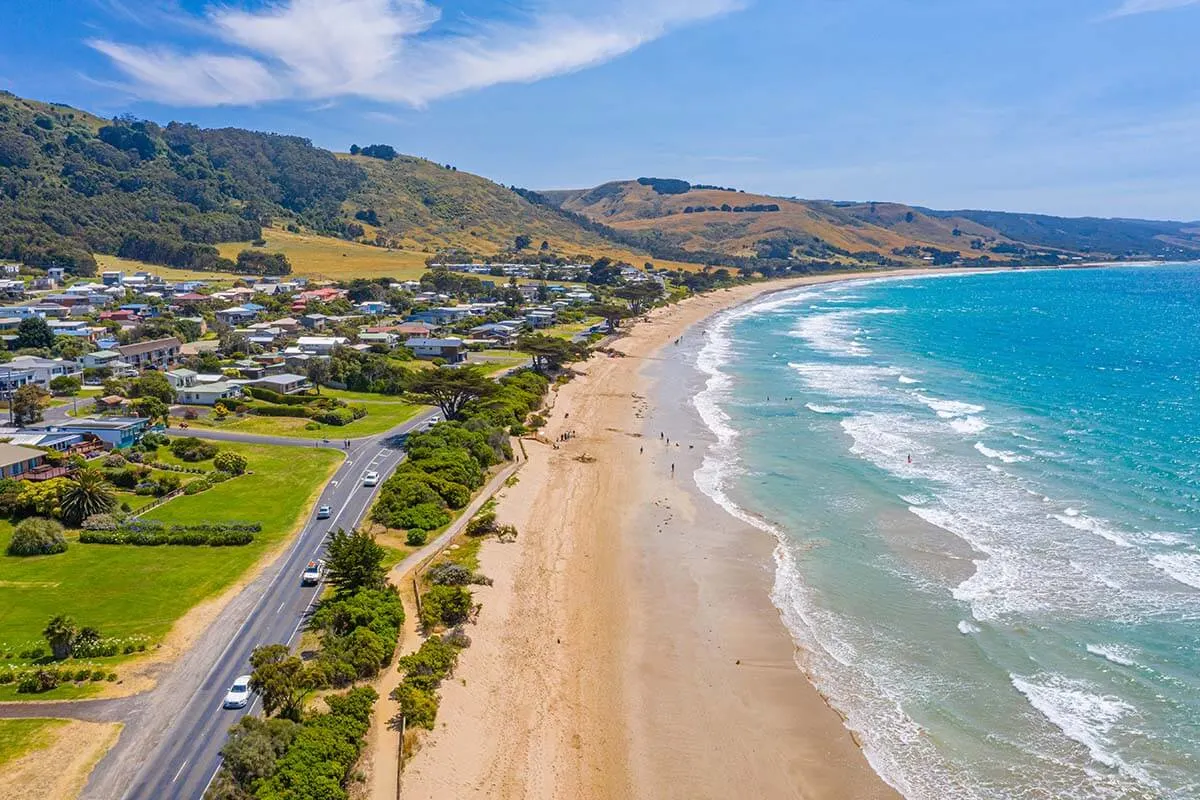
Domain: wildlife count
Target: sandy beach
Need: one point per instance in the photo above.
(629, 647)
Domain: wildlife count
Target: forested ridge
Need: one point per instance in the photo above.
(72, 185)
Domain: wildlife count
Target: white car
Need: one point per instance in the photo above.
(238, 695)
(324, 512)
(371, 478)
(313, 573)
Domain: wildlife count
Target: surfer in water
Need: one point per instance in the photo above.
(910, 458)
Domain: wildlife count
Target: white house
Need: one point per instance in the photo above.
(181, 379)
(209, 394)
(236, 315)
(320, 345)
(44, 370)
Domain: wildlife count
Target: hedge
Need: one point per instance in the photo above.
(153, 535)
(281, 411)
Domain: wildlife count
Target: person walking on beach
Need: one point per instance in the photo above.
(672, 470)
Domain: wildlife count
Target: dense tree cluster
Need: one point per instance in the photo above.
(158, 194)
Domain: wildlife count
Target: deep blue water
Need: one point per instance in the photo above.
(986, 489)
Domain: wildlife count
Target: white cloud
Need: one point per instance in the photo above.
(1130, 7)
(391, 50)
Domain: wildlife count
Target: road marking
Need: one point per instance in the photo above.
(281, 605)
(213, 777)
(181, 769)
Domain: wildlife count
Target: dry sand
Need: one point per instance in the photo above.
(59, 771)
(629, 648)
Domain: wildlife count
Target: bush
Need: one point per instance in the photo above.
(418, 706)
(281, 411)
(37, 536)
(336, 417)
(114, 461)
(197, 486)
(445, 605)
(189, 448)
(426, 517)
(100, 522)
(482, 523)
(416, 537)
(448, 573)
(232, 463)
(38, 681)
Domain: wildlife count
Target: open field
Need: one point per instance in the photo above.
(315, 256)
(383, 413)
(21, 736)
(104, 262)
(568, 329)
(127, 590)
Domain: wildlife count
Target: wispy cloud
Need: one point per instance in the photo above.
(390, 50)
(1130, 7)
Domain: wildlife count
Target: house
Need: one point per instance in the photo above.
(100, 359)
(320, 345)
(122, 315)
(453, 351)
(113, 404)
(385, 339)
(56, 274)
(44, 370)
(16, 460)
(112, 277)
(154, 354)
(115, 432)
(237, 315)
(181, 378)
(444, 315)
(284, 383)
(71, 327)
(405, 330)
(501, 332)
(209, 394)
(190, 299)
(62, 442)
(541, 317)
(314, 322)
(373, 307)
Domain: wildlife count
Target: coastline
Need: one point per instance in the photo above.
(629, 646)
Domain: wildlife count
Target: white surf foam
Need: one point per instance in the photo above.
(967, 628)
(1116, 653)
(907, 380)
(1082, 714)
(836, 332)
(949, 409)
(1183, 567)
(1007, 456)
(1081, 522)
(969, 426)
(819, 409)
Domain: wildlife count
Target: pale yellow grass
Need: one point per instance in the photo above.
(129, 266)
(315, 256)
(58, 770)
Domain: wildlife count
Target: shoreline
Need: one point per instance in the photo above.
(630, 646)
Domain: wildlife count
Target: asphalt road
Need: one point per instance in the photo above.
(176, 752)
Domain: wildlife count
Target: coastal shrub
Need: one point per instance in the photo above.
(445, 606)
(482, 523)
(450, 574)
(191, 449)
(197, 486)
(219, 476)
(38, 681)
(232, 463)
(37, 536)
(418, 706)
(426, 516)
(114, 460)
(151, 535)
(415, 537)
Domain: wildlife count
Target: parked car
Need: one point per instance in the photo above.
(371, 478)
(239, 694)
(324, 512)
(313, 573)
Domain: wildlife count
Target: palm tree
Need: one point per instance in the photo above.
(86, 494)
(60, 634)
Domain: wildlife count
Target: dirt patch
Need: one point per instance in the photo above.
(59, 771)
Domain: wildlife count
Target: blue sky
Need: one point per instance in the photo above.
(1060, 106)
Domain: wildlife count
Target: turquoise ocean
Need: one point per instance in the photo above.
(986, 492)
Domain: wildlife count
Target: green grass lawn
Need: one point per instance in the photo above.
(384, 412)
(494, 361)
(127, 590)
(21, 736)
(568, 329)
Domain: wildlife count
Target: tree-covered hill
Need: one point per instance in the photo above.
(72, 184)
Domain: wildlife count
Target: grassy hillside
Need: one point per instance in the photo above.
(739, 225)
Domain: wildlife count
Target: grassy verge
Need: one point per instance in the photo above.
(383, 413)
(141, 591)
(21, 736)
(494, 361)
